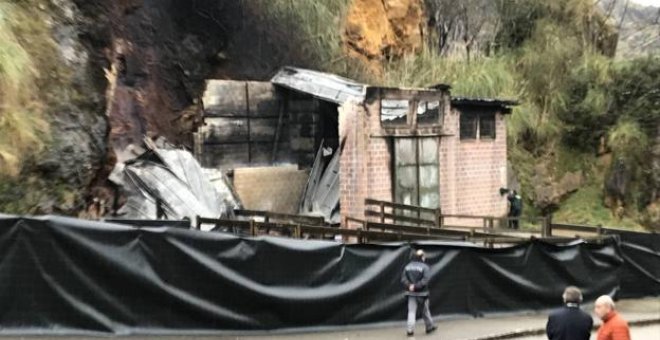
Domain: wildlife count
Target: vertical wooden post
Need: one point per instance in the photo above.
(283, 99)
(247, 108)
(253, 228)
(438, 218)
(546, 227)
(297, 232)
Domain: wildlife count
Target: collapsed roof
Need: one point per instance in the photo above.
(325, 86)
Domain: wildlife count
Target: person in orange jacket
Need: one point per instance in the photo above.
(614, 327)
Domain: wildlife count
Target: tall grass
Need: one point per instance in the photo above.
(22, 124)
(483, 76)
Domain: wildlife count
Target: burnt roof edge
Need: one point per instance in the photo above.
(505, 104)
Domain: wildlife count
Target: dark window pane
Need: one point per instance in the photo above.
(428, 113)
(394, 112)
(469, 123)
(487, 126)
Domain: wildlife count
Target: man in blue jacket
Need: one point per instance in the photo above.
(415, 278)
(570, 322)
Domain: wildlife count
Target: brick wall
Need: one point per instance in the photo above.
(352, 165)
(471, 172)
(449, 151)
(480, 172)
(379, 161)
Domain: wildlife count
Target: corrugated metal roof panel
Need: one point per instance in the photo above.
(324, 86)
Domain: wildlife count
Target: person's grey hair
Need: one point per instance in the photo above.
(572, 294)
(605, 300)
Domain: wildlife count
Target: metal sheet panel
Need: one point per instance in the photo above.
(325, 86)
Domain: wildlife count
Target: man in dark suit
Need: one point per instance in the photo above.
(570, 322)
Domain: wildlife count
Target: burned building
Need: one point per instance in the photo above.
(314, 143)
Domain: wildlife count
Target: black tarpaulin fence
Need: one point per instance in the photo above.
(63, 275)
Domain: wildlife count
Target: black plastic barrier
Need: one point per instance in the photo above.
(61, 275)
(640, 274)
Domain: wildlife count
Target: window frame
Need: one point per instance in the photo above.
(476, 118)
(419, 190)
(412, 123)
(493, 118)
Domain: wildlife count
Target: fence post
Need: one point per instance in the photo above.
(253, 228)
(297, 232)
(438, 217)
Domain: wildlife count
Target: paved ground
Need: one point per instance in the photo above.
(636, 333)
(632, 310)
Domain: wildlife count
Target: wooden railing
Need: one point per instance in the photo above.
(388, 211)
(400, 213)
(588, 229)
(366, 232)
(490, 226)
(278, 217)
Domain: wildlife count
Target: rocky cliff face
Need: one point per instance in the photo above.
(110, 72)
(66, 93)
(159, 53)
(377, 30)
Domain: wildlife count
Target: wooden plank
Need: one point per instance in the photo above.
(234, 155)
(247, 105)
(226, 97)
(225, 156)
(309, 220)
(399, 218)
(370, 201)
(231, 98)
(221, 130)
(234, 130)
(280, 121)
(263, 99)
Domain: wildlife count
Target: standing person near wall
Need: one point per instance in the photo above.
(515, 206)
(570, 322)
(614, 327)
(415, 278)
